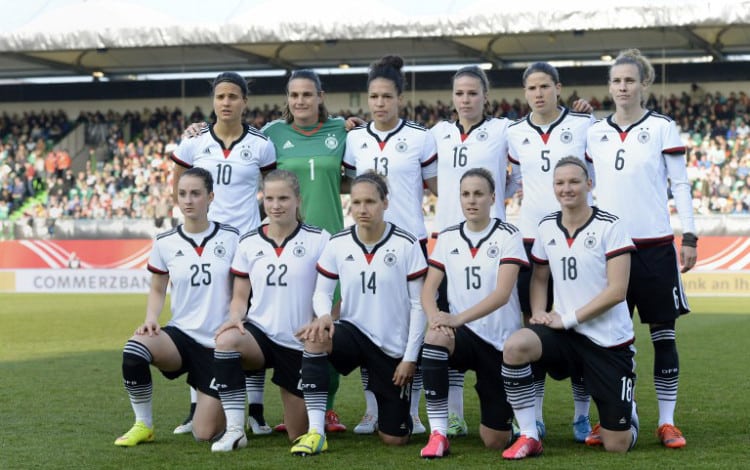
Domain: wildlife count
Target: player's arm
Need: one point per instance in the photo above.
(408, 365)
(238, 306)
(618, 274)
(683, 200)
(322, 327)
(429, 292)
(507, 276)
(538, 289)
(157, 296)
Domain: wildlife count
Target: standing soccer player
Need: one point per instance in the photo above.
(381, 270)
(536, 143)
(277, 261)
(236, 155)
(194, 259)
(481, 258)
(639, 158)
(310, 144)
(405, 154)
(589, 332)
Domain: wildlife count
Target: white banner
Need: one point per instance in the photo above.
(120, 281)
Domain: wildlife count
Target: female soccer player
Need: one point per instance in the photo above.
(380, 268)
(481, 259)
(236, 155)
(536, 143)
(639, 157)
(277, 261)
(310, 144)
(405, 153)
(195, 260)
(589, 331)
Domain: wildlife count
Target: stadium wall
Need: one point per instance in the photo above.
(118, 266)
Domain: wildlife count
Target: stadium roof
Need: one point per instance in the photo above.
(122, 39)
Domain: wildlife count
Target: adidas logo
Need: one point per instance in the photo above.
(622, 421)
(349, 258)
(525, 142)
(447, 136)
(260, 253)
(604, 139)
(288, 145)
(552, 243)
(454, 251)
(179, 253)
(364, 145)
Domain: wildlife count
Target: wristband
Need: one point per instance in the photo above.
(689, 239)
(569, 320)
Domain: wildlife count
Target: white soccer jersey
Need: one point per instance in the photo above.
(472, 275)
(236, 171)
(199, 275)
(374, 285)
(536, 153)
(482, 146)
(632, 167)
(282, 279)
(578, 264)
(406, 157)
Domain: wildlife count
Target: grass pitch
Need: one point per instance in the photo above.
(62, 402)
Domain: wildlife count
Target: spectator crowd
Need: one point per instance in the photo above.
(133, 178)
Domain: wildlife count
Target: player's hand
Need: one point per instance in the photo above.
(404, 373)
(539, 318)
(353, 122)
(688, 257)
(444, 323)
(149, 327)
(228, 325)
(582, 106)
(193, 130)
(555, 321)
(319, 330)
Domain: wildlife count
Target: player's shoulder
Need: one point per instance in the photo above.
(253, 132)
(167, 234)
(514, 124)
(415, 125)
(442, 125)
(403, 234)
(228, 229)
(658, 116)
(272, 126)
(453, 229)
(311, 229)
(250, 235)
(549, 218)
(605, 216)
(506, 227)
(341, 234)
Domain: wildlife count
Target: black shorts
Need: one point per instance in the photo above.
(524, 284)
(608, 373)
(285, 362)
(655, 287)
(352, 349)
(197, 362)
(472, 352)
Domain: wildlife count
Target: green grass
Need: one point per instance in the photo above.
(62, 402)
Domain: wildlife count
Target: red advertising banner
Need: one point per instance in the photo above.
(91, 254)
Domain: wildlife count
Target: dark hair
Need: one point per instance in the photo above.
(389, 67)
(475, 72)
(293, 182)
(375, 179)
(541, 67)
(571, 160)
(480, 173)
(230, 77)
(203, 174)
(306, 74)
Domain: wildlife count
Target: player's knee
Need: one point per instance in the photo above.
(493, 439)
(391, 440)
(518, 348)
(437, 338)
(317, 347)
(618, 442)
(228, 340)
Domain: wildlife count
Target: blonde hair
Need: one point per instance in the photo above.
(645, 69)
(293, 182)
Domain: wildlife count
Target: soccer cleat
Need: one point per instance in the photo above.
(254, 426)
(522, 448)
(332, 422)
(581, 428)
(135, 435)
(670, 436)
(232, 439)
(281, 427)
(457, 426)
(417, 426)
(437, 447)
(186, 427)
(594, 438)
(311, 443)
(368, 425)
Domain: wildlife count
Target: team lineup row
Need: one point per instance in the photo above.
(629, 148)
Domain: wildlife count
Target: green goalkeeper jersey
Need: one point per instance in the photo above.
(314, 154)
